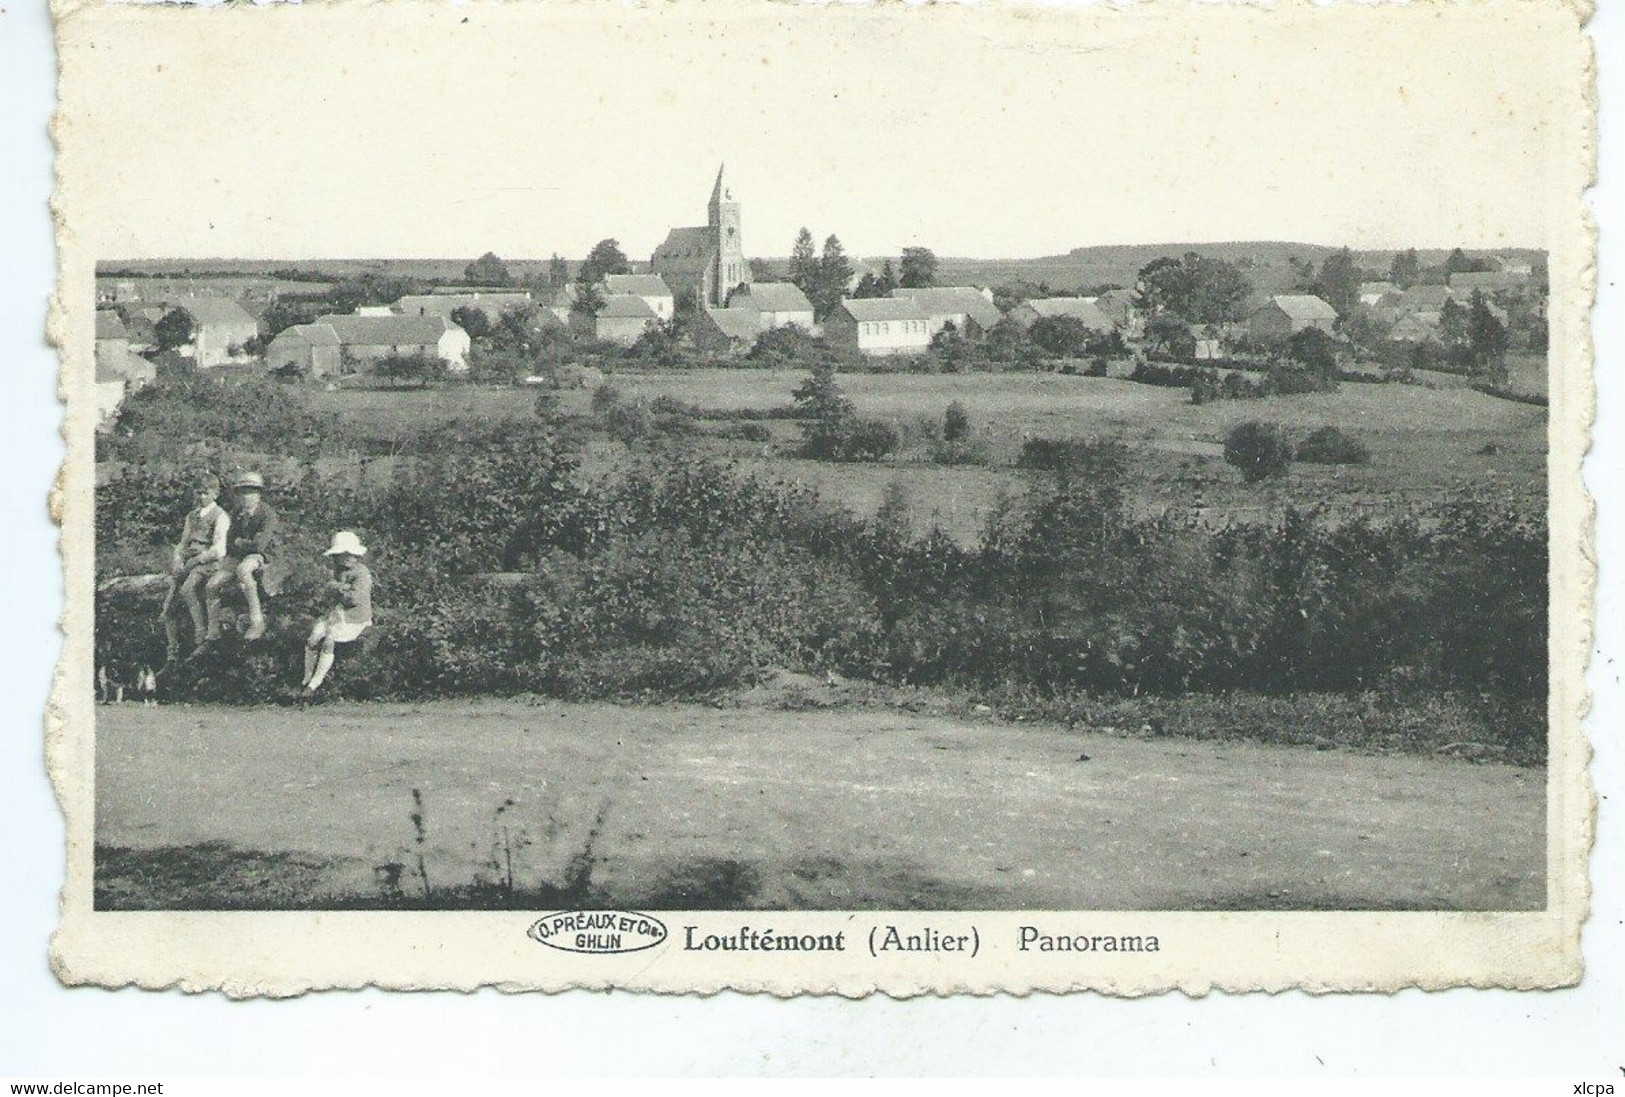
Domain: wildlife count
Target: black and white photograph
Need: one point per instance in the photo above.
(1117, 485)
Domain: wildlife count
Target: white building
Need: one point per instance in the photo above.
(651, 287)
(879, 326)
(777, 304)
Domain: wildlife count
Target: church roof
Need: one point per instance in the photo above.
(696, 242)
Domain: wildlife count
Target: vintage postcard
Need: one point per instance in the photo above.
(831, 500)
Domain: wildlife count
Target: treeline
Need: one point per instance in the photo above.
(502, 569)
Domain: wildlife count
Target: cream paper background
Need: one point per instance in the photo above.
(396, 130)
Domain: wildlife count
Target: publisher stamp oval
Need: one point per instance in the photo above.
(598, 931)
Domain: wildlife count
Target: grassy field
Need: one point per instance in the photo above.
(696, 807)
(1427, 445)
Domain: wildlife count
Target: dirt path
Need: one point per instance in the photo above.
(700, 807)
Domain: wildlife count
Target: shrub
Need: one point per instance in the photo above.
(1330, 446)
(1260, 450)
(955, 423)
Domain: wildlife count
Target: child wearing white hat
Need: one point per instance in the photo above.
(350, 612)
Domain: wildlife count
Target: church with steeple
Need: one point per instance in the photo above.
(706, 263)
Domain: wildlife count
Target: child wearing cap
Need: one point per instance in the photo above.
(250, 560)
(201, 547)
(350, 613)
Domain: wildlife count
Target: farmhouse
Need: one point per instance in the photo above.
(971, 311)
(651, 287)
(776, 304)
(113, 355)
(1084, 309)
(1122, 308)
(621, 319)
(706, 262)
(1287, 314)
(369, 338)
(1372, 292)
(223, 327)
(444, 304)
(1427, 298)
(730, 331)
(879, 326)
(313, 349)
(1415, 327)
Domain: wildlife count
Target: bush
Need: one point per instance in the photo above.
(1260, 450)
(1330, 446)
(955, 423)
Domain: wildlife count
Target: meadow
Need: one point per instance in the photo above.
(1427, 444)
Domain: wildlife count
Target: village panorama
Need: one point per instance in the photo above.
(753, 575)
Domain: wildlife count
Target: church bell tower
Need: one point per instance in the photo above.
(731, 268)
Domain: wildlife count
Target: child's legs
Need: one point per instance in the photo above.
(213, 591)
(251, 587)
(314, 647)
(169, 615)
(191, 594)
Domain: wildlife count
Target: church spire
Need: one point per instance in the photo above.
(720, 193)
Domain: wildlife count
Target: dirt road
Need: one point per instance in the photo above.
(688, 806)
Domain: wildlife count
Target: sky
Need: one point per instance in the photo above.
(440, 131)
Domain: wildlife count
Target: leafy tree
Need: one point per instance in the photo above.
(1195, 288)
(472, 320)
(1008, 344)
(919, 268)
(1171, 335)
(1459, 262)
(834, 272)
(1339, 282)
(606, 257)
(1315, 349)
(1062, 336)
(174, 329)
(589, 299)
(1260, 451)
(870, 286)
(488, 270)
(1406, 269)
(558, 271)
(804, 263)
(408, 368)
(888, 278)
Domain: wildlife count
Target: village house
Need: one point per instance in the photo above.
(730, 332)
(1084, 309)
(1372, 292)
(1415, 327)
(971, 311)
(621, 319)
(1122, 308)
(776, 305)
(706, 263)
(879, 326)
(119, 371)
(1284, 315)
(370, 338)
(313, 349)
(222, 328)
(650, 287)
(492, 304)
(1422, 298)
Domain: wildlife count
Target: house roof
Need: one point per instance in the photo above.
(868, 309)
(736, 323)
(443, 304)
(940, 300)
(1424, 297)
(1376, 289)
(771, 297)
(387, 331)
(212, 310)
(1086, 309)
(1486, 279)
(625, 306)
(1304, 306)
(640, 285)
(315, 335)
(109, 325)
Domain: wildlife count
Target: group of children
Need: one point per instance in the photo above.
(222, 548)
